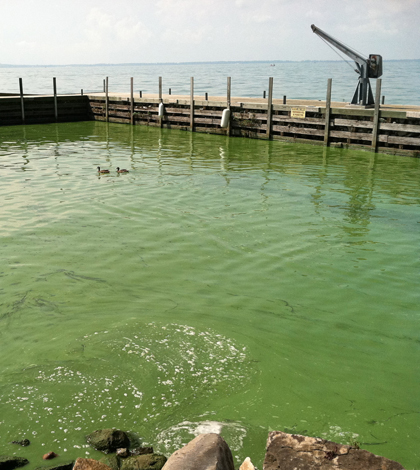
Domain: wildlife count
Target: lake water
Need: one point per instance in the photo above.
(296, 80)
(223, 284)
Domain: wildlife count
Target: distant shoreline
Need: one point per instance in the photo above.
(190, 63)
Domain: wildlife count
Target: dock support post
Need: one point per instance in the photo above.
(132, 101)
(328, 114)
(106, 101)
(192, 104)
(228, 100)
(376, 115)
(22, 104)
(55, 99)
(160, 118)
(270, 107)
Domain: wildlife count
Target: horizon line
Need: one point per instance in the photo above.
(184, 63)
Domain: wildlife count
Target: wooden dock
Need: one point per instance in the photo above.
(387, 128)
(391, 128)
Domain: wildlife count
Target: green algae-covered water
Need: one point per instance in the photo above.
(223, 284)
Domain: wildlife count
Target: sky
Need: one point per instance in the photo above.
(60, 32)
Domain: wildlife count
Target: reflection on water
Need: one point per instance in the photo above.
(223, 283)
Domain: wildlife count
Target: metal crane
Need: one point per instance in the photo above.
(366, 68)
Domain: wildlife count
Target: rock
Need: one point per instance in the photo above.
(89, 464)
(296, 452)
(123, 453)
(49, 456)
(23, 442)
(9, 463)
(205, 452)
(108, 440)
(144, 462)
(247, 465)
(112, 461)
(63, 466)
(142, 450)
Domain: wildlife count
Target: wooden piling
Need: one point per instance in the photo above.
(270, 108)
(228, 102)
(328, 114)
(106, 101)
(192, 104)
(22, 104)
(160, 89)
(132, 101)
(55, 99)
(376, 115)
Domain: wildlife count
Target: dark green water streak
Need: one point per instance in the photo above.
(222, 284)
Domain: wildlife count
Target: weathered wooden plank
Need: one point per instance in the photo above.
(348, 135)
(394, 139)
(383, 126)
(307, 120)
(353, 123)
(299, 130)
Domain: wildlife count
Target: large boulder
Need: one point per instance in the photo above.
(205, 452)
(144, 462)
(296, 452)
(108, 440)
(9, 463)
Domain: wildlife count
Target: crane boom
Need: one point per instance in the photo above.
(341, 47)
(366, 68)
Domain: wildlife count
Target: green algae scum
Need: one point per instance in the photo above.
(223, 284)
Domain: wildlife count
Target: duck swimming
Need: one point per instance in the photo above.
(102, 171)
(123, 170)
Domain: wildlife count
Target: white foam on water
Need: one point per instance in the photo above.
(155, 370)
(177, 436)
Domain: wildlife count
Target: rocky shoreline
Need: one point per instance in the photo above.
(211, 452)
